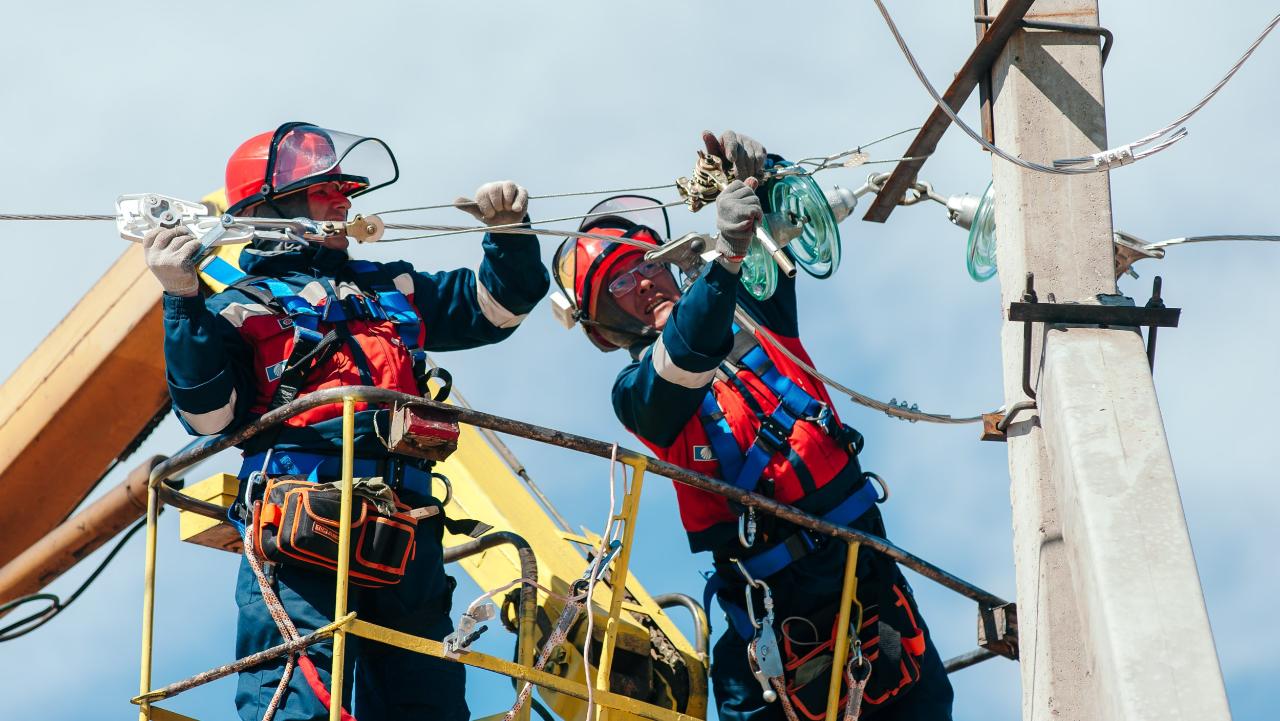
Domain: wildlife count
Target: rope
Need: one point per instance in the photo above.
(853, 704)
(554, 639)
(278, 614)
(610, 530)
(1098, 162)
(888, 408)
(780, 687)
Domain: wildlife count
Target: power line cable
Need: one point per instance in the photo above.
(56, 605)
(616, 191)
(1098, 162)
(1210, 239)
(912, 413)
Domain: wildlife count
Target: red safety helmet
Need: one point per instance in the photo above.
(582, 263)
(299, 155)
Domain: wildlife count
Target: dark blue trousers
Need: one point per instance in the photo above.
(811, 583)
(387, 682)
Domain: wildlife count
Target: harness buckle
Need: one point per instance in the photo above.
(772, 435)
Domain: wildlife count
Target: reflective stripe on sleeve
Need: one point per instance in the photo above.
(404, 284)
(672, 373)
(215, 421)
(494, 311)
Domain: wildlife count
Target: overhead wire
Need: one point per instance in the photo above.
(1198, 106)
(1099, 162)
(1210, 239)
(508, 227)
(576, 194)
(53, 216)
(906, 414)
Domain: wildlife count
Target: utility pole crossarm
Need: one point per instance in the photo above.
(977, 66)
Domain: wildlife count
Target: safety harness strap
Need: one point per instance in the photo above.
(380, 301)
(744, 470)
(388, 300)
(780, 555)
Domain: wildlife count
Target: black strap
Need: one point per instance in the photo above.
(469, 527)
(440, 374)
(249, 287)
(305, 357)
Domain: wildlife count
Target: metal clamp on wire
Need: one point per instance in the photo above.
(703, 186)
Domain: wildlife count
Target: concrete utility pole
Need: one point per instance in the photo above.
(1112, 618)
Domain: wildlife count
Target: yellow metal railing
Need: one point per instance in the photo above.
(604, 699)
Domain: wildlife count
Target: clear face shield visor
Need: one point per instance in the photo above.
(636, 209)
(302, 155)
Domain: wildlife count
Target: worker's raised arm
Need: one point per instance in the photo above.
(655, 396)
(464, 308)
(208, 365)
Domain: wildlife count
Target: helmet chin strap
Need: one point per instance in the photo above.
(646, 335)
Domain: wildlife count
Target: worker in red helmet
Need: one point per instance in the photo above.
(309, 317)
(710, 395)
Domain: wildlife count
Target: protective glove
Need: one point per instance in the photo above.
(737, 213)
(745, 155)
(171, 255)
(498, 203)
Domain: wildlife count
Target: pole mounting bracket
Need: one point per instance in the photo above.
(1110, 312)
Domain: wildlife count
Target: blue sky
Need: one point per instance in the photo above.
(575, 95)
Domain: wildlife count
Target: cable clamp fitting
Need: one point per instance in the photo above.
(1114, 157)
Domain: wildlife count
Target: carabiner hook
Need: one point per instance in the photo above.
(755, 583)
(747, 528)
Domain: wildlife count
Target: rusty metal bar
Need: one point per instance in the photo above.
(1108, 37)
(550, 436)
(965, 660)
(977, 66)
(243, 664)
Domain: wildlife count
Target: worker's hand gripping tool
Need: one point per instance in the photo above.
(138, 214)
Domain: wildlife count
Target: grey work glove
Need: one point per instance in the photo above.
(744, 154)
(171, 255)
(498, 203)
(737, 213)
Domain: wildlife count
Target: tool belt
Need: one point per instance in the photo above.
(890, 638)
(296, 523)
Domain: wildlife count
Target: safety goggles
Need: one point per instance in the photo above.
(627, 282)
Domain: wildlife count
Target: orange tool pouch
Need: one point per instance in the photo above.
(891, 640)
(296, 523)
